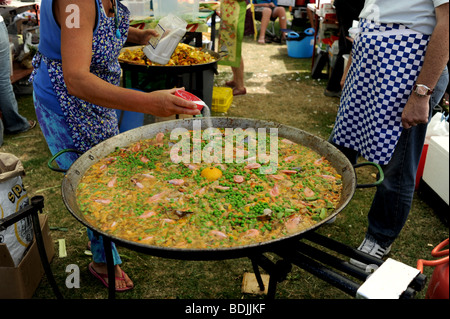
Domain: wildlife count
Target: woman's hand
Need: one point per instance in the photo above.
(168, 104)
(139, 36)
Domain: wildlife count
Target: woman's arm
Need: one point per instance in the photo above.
(76, 51)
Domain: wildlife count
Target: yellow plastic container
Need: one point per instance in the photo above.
(222, 98)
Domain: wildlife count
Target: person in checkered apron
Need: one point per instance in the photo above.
(396, 75)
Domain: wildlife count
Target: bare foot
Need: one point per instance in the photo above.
(122, 279)
(231, 84)
(237, 91)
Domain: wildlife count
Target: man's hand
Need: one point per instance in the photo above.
(416, 111)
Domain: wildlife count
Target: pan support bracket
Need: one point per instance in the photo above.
(278, 272)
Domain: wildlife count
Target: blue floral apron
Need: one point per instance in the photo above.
(386, 60)
(90, 124)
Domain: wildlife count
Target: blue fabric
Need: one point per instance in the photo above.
(56, 133)
(67, 121)
(13, 122)
(383, 71)
(129, 120)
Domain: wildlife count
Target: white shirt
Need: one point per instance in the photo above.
(418, 15)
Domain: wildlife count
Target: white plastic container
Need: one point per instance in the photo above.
(171, 29)
(186, 9)
(139, 9)
(436, 171)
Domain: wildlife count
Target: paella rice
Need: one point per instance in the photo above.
(138, 193)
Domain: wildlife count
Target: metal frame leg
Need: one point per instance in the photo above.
(110, 267)
(33, 210)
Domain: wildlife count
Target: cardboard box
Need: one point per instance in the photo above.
(21, 282)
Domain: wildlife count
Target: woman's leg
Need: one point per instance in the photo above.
(57, 136)
(238, 79)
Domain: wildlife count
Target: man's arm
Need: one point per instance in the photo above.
(416, 110)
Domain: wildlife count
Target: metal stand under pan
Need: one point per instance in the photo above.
(318, 262)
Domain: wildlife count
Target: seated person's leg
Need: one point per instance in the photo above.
(265, 18)
(280, 13)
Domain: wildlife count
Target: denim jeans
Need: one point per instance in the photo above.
(393, 198)
(13, 122)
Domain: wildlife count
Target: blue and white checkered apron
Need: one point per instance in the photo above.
(386, 60)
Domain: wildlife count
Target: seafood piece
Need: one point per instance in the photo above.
(144, 159)
(177, 182)
(156, 197)
(222, 188)
(308, 192)
(288, 171)
(159, 137)
(253, 166)
(275, 191)
(238, 179)
(218, 234)
(277, 177)
(251, 233)
(147, 214)
(200, 191)
(292, 223)
(136, 147)
(138, 184)
(191, 166)
(328, 177)
(289, 159)
(319, 161)
(102, 201)
(112, 182)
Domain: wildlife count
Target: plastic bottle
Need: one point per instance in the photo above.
(171, 29)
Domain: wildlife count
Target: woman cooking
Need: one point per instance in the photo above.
(75, 80)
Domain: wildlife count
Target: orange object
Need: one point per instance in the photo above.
(438, 286)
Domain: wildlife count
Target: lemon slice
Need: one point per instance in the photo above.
(211, 173)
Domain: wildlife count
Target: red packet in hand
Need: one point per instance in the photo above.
(190, 97)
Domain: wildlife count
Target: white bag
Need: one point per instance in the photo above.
(13, 197)
(438, 126)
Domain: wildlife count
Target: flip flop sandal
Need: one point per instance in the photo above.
(104, 277)
(32, 124)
